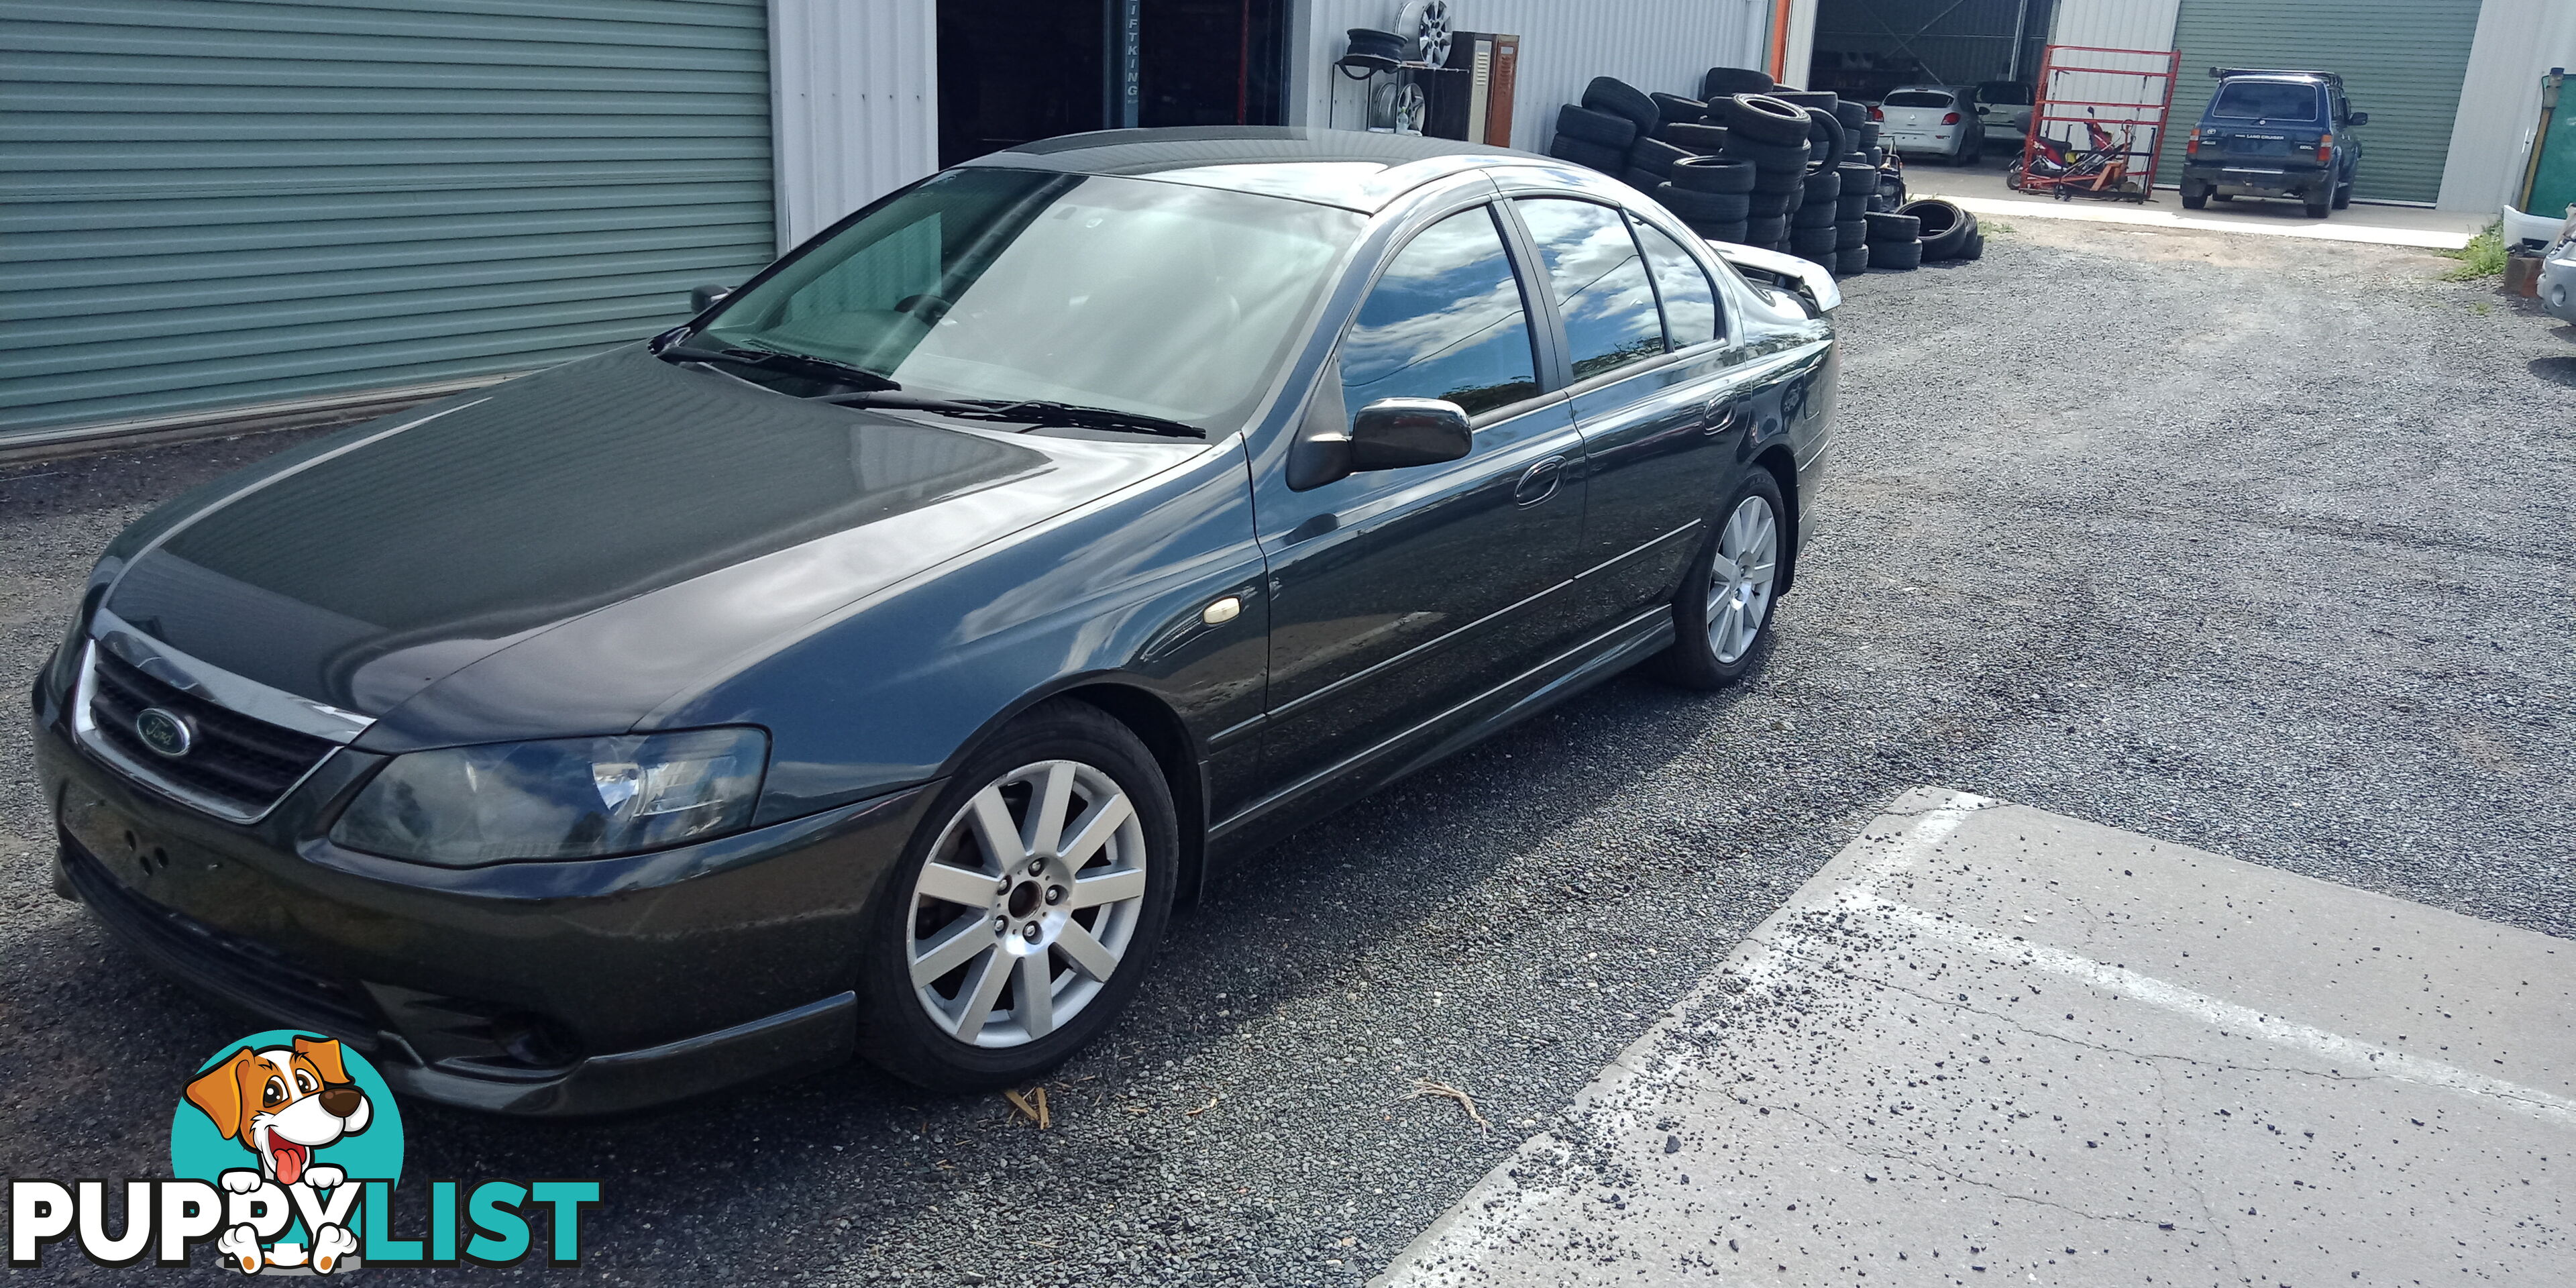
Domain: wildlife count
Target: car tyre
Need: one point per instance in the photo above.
(2343, 195)
(1110, 800)
(2195, 194)
(1735, 577)
(2320, 206)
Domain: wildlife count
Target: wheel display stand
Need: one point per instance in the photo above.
(1366, 73)
(2078, 85)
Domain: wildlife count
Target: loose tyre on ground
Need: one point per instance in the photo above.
(1851, 261)
(1038, 885)
(1813, 241)
(1945, 227)
(1722, 615)
(1851, 234)
(1656, 155)
(1760, 118)
(1763, 230)
(1603, 129)
(1673, 109)
(1826, 140)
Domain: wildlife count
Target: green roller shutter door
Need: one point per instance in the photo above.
(2402, 61)
(215, 204)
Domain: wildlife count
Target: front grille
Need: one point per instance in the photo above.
(246, 973)
(242, 765)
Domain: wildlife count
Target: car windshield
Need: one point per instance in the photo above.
(1917, 98)
(2267, 100)
(1163, 299)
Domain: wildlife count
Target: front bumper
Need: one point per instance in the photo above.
(522, 988)
(2558, 285)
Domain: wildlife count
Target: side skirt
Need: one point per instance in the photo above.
(1462, 726)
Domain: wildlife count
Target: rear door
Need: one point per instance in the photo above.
(1650, 372)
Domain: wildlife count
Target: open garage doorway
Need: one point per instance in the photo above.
(1011, 71)
(1865, 48)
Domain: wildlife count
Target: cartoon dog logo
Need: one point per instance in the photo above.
(282, 1103)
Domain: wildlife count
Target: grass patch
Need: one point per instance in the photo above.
(2482, 257)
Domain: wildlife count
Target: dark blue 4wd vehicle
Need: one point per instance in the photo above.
(2274, 134)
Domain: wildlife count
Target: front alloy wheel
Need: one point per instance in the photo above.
(1027, 903)
(1026, 910)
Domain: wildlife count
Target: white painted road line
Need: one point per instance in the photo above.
(2164, 1065)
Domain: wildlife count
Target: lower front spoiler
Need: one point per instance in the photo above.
(799, 1040)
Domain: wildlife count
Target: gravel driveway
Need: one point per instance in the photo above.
(2262, 546)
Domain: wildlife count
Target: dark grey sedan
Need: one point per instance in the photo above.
(871, 664)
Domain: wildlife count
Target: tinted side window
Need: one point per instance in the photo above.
(1445, 321)
(1690, 303)
(1599, 283)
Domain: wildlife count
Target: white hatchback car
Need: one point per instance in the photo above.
(1935, 120)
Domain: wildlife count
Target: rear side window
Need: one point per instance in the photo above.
(1690, 303)
(1917, 98)
(2266, 100)
(1599, 283)
(1444, 321)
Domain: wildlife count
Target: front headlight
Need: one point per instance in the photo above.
(569, 798)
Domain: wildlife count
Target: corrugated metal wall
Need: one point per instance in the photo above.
(214, 203)
(1653, 44)
(857, 94)
(2517, 42)
(2402, 61)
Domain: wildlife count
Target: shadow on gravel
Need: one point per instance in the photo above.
(2557, 371)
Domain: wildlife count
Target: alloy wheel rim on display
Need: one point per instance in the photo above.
(1027, 904)
(1740, 578)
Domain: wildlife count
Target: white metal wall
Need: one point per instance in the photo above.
(2517, 41)
(2115, 24)
(1652, 44)
(855, 89)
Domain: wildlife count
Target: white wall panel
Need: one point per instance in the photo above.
(855, 92)
(2517, 41)
(1652, 44)
(2115, 24)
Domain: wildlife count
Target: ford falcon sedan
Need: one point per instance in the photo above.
(871, 664)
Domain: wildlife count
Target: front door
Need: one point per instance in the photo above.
(1399, 595)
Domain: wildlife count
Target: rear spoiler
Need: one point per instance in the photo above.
(1807, 279)
(2222, 73)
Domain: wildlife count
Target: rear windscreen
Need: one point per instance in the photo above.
(1916, 98)
(2267, 100)
(2004, 94)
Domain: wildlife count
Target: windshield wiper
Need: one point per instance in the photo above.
(775, 360)
(1023, 412)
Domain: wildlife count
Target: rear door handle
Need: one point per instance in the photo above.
(1722, 414)
(1538, 482)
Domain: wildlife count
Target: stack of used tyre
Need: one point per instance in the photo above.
(1895, 240)
(1713, 195)
(1770, 136)
(1945, 229)
(1607, 129)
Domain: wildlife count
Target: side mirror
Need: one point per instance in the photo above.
(1396, 433)
(2357, 118)
(702, 298)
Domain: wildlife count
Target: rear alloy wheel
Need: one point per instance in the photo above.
(1023, 925)
(1722, 616)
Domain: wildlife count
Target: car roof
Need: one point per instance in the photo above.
(1353, 169)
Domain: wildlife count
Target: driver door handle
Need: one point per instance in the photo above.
(1722, 414)
(1538, 482)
